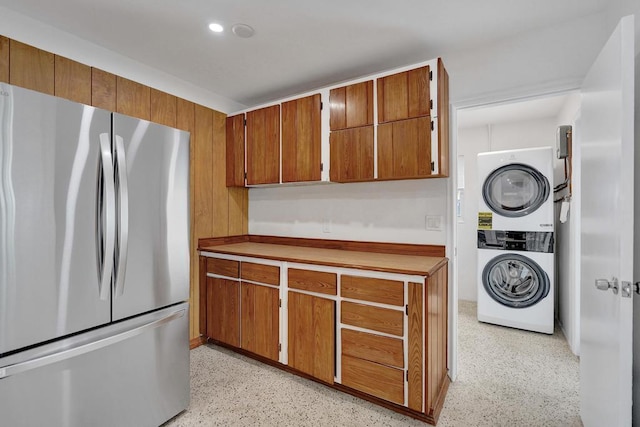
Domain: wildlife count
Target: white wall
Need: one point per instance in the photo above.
(387, 211)
(471, 141)
(567, 240)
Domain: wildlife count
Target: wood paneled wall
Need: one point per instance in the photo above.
(216, 210)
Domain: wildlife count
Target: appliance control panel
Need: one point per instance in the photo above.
(524, 241)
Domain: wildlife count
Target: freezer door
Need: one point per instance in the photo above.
(133, 373)
(50, 262)
(153, 221)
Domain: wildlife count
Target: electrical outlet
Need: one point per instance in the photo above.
(433, 222)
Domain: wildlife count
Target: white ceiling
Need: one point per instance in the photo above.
(530, 109)
(298, 45)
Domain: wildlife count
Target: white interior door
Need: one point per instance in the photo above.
(607, 232)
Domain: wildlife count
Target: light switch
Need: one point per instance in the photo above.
(433, 222)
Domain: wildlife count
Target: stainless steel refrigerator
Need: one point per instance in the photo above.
(94, 265)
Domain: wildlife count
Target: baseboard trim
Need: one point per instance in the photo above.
(196, 342)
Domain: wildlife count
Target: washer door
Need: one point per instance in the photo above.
(515, 281)
(515, 190)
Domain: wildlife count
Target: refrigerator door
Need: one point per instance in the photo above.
(132, 373)
(54, 273)
(153, 221)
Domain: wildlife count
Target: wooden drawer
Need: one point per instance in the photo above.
(374, 290)
(374, 318)
(268, 274)
(373, 378)
(223, 267)
(313, 281)
(374, 348)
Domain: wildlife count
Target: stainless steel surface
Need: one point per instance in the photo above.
(157, 166)
(605, 285)
(49, 155)
(140, 380)
(123, 215)
(106, 222)
(626, 290)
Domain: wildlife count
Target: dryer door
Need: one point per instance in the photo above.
(515, 281)
(515, 190)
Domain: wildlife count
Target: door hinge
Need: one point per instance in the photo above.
(433, 166)
(406, 309)
(432, 125)
(279, 347)
(431, 75)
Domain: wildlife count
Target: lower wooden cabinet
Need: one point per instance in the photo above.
(379, 335)
(223, 310)
(259, 320)
(312, 335)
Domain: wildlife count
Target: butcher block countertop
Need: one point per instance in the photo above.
(360, 259)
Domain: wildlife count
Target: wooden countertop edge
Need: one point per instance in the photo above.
(346, 245)
(209, 245)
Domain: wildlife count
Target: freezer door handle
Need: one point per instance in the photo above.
(105, 217)
(122, 243)
(75, 351)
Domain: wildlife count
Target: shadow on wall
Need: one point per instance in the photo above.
(389, 211)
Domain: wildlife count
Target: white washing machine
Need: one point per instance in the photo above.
(516, 190)
(516, 279)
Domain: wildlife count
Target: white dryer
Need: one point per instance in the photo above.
(516, 190)
(516, 279)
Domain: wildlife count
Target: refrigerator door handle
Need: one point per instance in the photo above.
(79, 350)
(105, 218)
(122, 243)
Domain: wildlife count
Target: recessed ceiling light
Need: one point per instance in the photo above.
(216, 28)
(242, 30)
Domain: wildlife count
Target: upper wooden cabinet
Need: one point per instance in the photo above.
(235, 151)
(263, 145)
(393, 126)
(404, 95)
(351, 106)
(301, 139)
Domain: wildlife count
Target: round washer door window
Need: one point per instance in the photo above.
(515, 190)
(515, 281)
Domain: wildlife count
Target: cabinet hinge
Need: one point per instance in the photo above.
(431, 104)
(279, 347)
(245, 175)
(321, 167)
(433, 166)
(280, 303)
(407, 375)
(245, 122)
(430, 75)
(406, 309)
(321, 105)
(432, 125)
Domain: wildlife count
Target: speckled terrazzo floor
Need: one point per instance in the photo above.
(506, 377)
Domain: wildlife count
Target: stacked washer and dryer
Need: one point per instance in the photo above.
(515, 239)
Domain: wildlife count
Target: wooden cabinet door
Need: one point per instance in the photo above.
(404, 149)
(263, 146)
(312, 335)
(301, 139)
(223, 321)
(404, 95)
(259, 320)
(351, 154)
(235, 151)
(351, 106)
